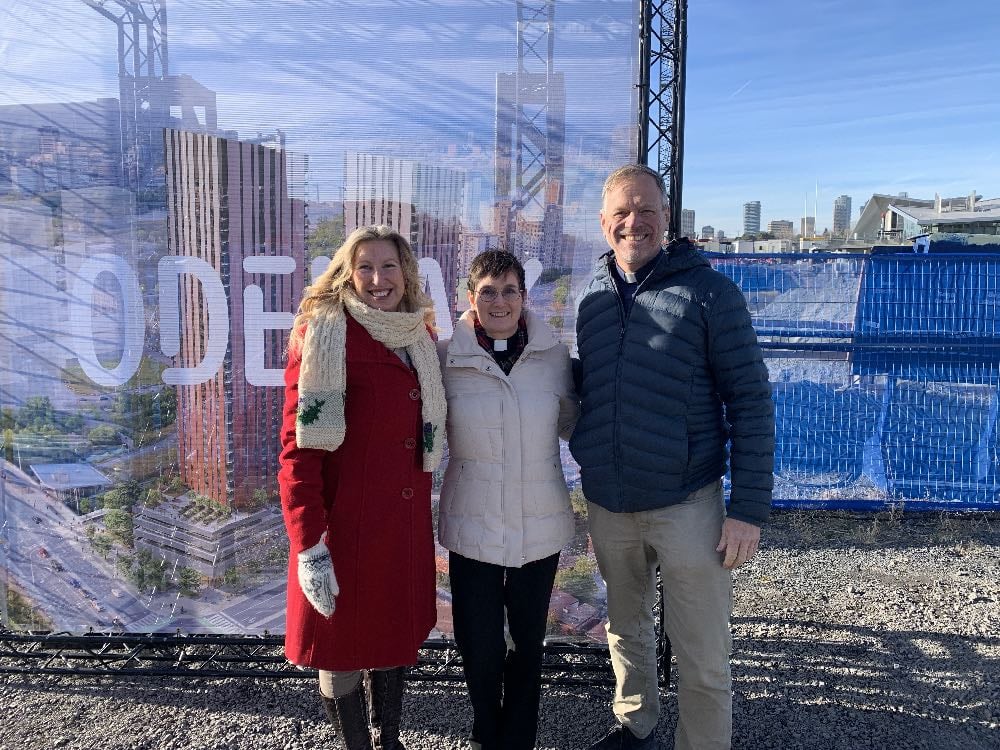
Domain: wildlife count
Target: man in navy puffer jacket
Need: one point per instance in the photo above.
(674, 390)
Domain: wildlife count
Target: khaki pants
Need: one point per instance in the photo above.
(697, 593)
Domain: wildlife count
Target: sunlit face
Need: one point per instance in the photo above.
(634, 219)
(498, 316)
(378, 275)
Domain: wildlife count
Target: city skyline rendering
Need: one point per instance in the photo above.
(168, 215)
(831, 104)
(407, 80)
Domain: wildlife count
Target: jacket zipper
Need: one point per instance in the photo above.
(623, 317)
(623, 322)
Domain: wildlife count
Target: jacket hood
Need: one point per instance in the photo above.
(679, 255)
(463, 341)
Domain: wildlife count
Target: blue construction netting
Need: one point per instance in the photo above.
(886, 374)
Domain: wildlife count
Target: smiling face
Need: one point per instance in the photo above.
(499, 316)
(634, 219)
(378, 275)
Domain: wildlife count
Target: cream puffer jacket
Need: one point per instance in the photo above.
(504, 499)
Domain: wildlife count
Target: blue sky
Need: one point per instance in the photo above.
(862, 96)
(859, 96)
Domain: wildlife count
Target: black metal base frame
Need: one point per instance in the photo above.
(566, 663)
(149, 655)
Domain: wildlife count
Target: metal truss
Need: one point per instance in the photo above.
(142, 68)
(530, 130)
(663, 52)
(216, 656)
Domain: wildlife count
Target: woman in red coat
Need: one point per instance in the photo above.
(363, 427)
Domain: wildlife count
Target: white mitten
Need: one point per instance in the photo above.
(316, 577)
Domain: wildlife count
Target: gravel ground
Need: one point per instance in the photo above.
(851, 631)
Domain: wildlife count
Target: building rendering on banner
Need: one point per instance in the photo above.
(687, 222)
(842, 216)
(423, 202)
(751, 217)
(231, 205)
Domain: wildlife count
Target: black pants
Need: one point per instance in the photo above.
(504, 686)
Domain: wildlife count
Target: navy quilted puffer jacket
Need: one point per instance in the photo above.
(667, 389)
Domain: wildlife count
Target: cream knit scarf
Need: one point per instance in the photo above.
(323, 381)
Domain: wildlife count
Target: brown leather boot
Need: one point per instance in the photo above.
(349, 715)
(385, 695)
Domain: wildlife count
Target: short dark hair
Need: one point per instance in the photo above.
(495, 263)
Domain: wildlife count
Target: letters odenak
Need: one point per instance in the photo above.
(256, 321)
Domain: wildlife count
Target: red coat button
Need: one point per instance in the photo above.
(407, 493)
(410, 443)
(415, 394)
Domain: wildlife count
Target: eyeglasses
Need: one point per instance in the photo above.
(489, 294)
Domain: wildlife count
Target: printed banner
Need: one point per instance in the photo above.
(163, 205)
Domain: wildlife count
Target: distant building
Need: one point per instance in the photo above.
(878, 224)
(33, 268)
(231, 205)
(720, 235)
(472, 244)
(807, 226)
(842, 216)
(70, 481)
(421, 201)
(761, 246)
(976, 217)
(65, 145)
(781, 229)
(707, 232)
(751, 217)
(687, 222)
(179, 532)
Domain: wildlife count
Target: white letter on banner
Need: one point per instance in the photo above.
(317, 267)
(256, 321)
(82, 320)
(434, 281)
(532, 270)
(169, 271)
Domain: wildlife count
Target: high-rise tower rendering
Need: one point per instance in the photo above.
(842, 216)
(751, 217)
(423, 202)
(236, 207)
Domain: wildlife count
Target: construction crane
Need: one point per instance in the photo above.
(530, 136)
(142, 71)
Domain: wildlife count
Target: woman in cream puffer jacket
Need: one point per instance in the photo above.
(505, 512)
(504, 499)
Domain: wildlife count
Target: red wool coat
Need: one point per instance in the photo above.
(374, 499)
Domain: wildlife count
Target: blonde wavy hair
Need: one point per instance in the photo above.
(329, 287)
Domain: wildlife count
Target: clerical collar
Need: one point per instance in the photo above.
(499, 345)
(638, 276)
